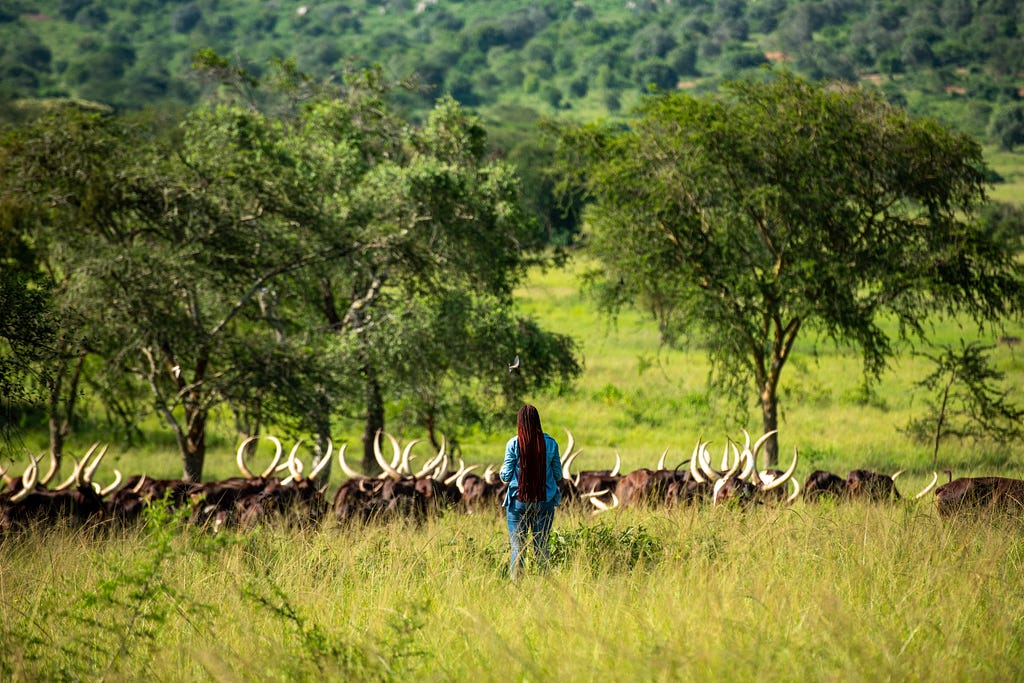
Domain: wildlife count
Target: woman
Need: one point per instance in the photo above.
(532, 468)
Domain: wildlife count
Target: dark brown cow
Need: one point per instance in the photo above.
(871, 486)
(687, 490)
(640, 487)
(980, 494)
(80, 505)
(821, 485)
(357, 499)
(481, 492)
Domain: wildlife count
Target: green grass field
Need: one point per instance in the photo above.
(810, 593)
(835, 592)
(831, 593)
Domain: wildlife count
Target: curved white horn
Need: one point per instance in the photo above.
(442, 468)
(278, 452)
(396, 452)
(759, 444)
(618, 465)
(725, 455)
(76, 476)
(602, 506)
(796, 491)
(567, 463)
(594, 494)
(387, 470)
(106, 490)
(736, 460)
(322, 463)
(294, 464)
(929, 487)
(429, 467)
(404, 462)
(45, 479)
(28, 480)
(694, 471)
(749, 471)
(349, 472)
(90, 470)
(570, 444)
(661, 462)
(138, 487)
(458, 472)
(896, 474)
(460, 482)
(240, 457)
(704, 460)
(785, 476)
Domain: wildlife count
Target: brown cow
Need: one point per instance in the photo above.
(872, 486)
(821, 485)
(983, 494)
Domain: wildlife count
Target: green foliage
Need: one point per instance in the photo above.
(286, 252)
(27, 332)
(1007, 126)
(124, 616)
(968, 400)
(741, 218)
(63, 47)
(318, 653)
(603, 548)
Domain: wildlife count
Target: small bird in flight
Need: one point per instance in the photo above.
(514, 365)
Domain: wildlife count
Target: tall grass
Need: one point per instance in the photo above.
(827, 593)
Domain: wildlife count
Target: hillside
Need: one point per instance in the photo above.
(958, 60)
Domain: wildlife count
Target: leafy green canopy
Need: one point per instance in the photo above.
(740, 219)
(269, 254)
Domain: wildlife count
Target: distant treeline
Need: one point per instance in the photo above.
(957, 60)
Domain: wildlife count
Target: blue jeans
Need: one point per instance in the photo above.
(525, 519)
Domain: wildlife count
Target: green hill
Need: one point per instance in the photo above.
(958, 60)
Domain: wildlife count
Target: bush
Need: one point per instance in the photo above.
(604, 548)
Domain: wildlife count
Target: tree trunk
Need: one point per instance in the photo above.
(61, 413)
(323, 435)
(374, 421)
(195, 444)
(770, 417)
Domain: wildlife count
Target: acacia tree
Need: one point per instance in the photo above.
(29, 235)
(163, 260)
(211, 267)
(775, 207)
(967, 400)
(413, 216)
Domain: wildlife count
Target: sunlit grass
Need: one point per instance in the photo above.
(815, 593)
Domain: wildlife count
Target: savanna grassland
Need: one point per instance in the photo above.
(830, 592)
(812, 592)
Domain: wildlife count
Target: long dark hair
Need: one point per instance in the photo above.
(532, 456)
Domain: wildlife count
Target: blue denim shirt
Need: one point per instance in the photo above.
(510, 470)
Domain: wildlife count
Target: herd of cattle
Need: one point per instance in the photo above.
(285, 489)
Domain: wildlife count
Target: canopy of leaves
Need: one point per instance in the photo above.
(740, 218)
(943, 57)
(270, 251)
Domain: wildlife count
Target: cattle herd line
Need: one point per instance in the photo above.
(285, 490)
